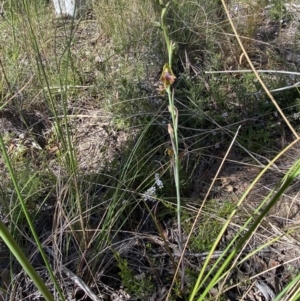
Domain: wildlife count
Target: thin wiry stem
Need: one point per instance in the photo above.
(173, 128)
(256, 73)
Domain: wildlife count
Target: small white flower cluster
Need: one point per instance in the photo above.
(150, 193)
(225, 114)
(158, 181)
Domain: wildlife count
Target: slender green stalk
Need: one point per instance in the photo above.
(289, 289)
(165, 30)
(173, 129)
(21, 257)
(168, 79)
(256, 73)
(68, 150)
(31, 226)
(286, 182)
(176, 164)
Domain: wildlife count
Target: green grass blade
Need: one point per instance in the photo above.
(20, 256)
(286, 182)
(26, 213)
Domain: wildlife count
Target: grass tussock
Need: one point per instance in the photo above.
(141, 157)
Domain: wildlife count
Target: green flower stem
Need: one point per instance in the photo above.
(176, 164)
(165, 31)
(173, 131)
